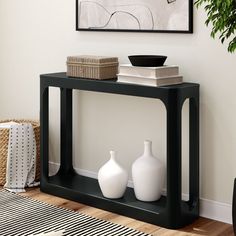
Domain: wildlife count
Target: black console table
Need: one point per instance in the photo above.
(170, 211)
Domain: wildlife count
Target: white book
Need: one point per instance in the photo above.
(154, 72)
(156, 82)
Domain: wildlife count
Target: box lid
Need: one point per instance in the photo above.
(92, 60)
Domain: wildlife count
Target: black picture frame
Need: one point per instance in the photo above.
(141, 16)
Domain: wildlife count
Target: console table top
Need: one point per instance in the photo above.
(112, 86)
(61, 76)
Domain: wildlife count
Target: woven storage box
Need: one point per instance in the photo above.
(92, 67)
(4, 137)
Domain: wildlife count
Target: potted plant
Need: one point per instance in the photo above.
(222, 15)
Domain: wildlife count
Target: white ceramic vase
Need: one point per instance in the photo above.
(112, 178)
(148, 175)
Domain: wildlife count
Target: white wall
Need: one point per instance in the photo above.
(37, 36)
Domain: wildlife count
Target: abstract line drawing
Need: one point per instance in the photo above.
(126, 16)
(171, 1)
(137, 15)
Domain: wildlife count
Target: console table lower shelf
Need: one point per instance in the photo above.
(87, 191)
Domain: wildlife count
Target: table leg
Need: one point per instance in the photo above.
(174, 140)
(44, 132)
(194, 152)
(66, 166)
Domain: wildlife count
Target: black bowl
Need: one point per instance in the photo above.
(147, 60)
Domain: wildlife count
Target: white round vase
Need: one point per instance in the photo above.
(148, 175)
(112, 178)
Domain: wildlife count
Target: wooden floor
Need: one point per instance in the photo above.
(202, 226)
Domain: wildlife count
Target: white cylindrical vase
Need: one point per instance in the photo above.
(112, 178)
(148, 175)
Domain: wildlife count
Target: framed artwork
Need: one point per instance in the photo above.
(167, 16)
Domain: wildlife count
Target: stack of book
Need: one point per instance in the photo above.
(150, 76)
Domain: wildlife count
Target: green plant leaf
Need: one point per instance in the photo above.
(222, 15)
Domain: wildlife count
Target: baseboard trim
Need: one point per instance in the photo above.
(210, 209)
(216, 210)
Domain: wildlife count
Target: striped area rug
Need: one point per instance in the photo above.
(24, 216)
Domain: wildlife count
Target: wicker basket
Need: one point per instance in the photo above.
(92, 67)
(4, 137)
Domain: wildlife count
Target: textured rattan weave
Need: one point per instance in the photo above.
(4, 138)
(92, 67)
